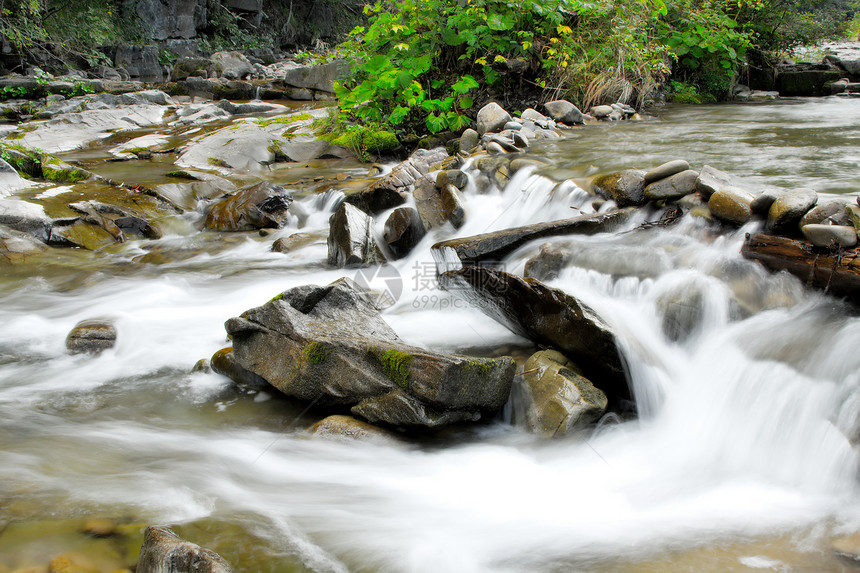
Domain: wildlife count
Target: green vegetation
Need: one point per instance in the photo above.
(285, 119)
(395, 364)
(363, 140)
(423, 65)
(179, 174)
(316, 352)
(483, 367)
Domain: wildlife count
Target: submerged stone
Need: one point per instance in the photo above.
(165, 552)
(626, 187)
(91, 336)
(261, 206)
(350, 240)
(349, 429)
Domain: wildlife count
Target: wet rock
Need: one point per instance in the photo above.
(223, 362)
(498, 244)
(559, 399)
(455, 177)
(91, 336)
(564, 111)
(232, 65)
(330, 345)
(531, 114)
(403, 230)
(666, 170)
(547, 264)
(495, 148)
(547, 316)
(624, 187)
(789, 208)
(491, 118)
(99, 527)
(192, 66)
(164, 552)
(682, 308)
(319, 78)
(347, 429)
(762, 202)
(672, 187)
(25, 217)
(83, 234)
(16, 246)
(830, 235)
(118, 222)
(797, 81)
(847, 547)
(350, 239)
(601, 111)
(10, 180)
(261, 206)
(292, 243)
(387, 191)
(452, 205)
(469, 140)
(712, 180)
(732, 205)
(61, 172)
(853, 212)
(830, 212)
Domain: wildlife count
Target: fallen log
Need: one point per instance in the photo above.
(837, 271)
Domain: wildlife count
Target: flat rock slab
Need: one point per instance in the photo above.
(498, 244)
(547, 316)
(330, 345)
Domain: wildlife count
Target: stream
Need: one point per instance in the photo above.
(740, 458)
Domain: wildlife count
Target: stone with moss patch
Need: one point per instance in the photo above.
(316, 352)
(395, 364)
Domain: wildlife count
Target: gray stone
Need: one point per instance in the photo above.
(491, 118)
(141, 62)
(564, 111)
(330, 345)
(175, 19)
(829, 235)
(232, 65)
(10, 180)
(533, 115)
(261, 206)
(712, 180)
(16, 246)
(317, 78)
(666, 170)
(453, 207)
(350, 239)
(547, 316)
(25, 217)
(193, 67)
(762, 202)
(547, 264)
(853, 212)
(789, 208)
(601, 111)
(831, 212)
(624, 187)
(559, 399)
(91, 337)
(455, 177)
(224, 362)
(403, 230)
(292, 243)
(672, 187)
(495, 148)
(520, 140)
(469, 140)
(682, 308)
(164, 552)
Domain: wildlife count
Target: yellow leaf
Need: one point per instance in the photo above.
(481, 61)
(401, 47)
(500, 59)
(551, 51)
(564, 64)
(554, 40)
(561, 29)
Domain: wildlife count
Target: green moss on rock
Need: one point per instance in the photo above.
(316, 352)
(395, 364)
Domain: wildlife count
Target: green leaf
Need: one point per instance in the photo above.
(451, 37)
(398, 115)
(465, 102)
(464, 84)
(434, 123)
(499, 23)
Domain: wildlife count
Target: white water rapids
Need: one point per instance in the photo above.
(741, 435)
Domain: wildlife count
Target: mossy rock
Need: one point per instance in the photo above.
(61, 172)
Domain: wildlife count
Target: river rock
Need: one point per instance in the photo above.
(61, 172)
(682, 308)
(223, 362)
(388, 191)
(547, 264)
(192, 66)
(601, 111)
(672, 187)
(10, 180)
(81, 233)
(491, 118)
(853, 212)
(330, 345)
(762, 202)
(165, 552)
(232, 65)
(829, 235)
(453, 205)
(261, 206)
(830, 212)
(564, 111)
(293, 243)
(731, 204)
(403, 230)
(624, 187)
(350, 239)
(534, 115)
(712, 180)
(469, 140)
(16, 246)
(455, 177)
(559, 399)
(497, 245)
(91, 336)
(348, 429)
(25, 217)
(789, 208)
(318, 78)
(666, 170)
(547, 316)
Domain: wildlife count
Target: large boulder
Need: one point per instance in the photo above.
(559, 400)
(261, 206)
(141, 63)
(496, 245)
(624, 187)
(672, 187)
(232, 65)
(330, 345)
(350, 241)
(317, 78)
(732, 205)
(25, 217)
(10, 180)
(165, 552)
(547, 316)
(403, 230)
(16, 246)
(176, 19)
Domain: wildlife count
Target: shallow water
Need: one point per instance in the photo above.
(738, 461)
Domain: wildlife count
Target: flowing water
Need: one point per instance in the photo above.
(740, 459)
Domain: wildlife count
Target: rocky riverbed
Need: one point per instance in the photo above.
(555, 300)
